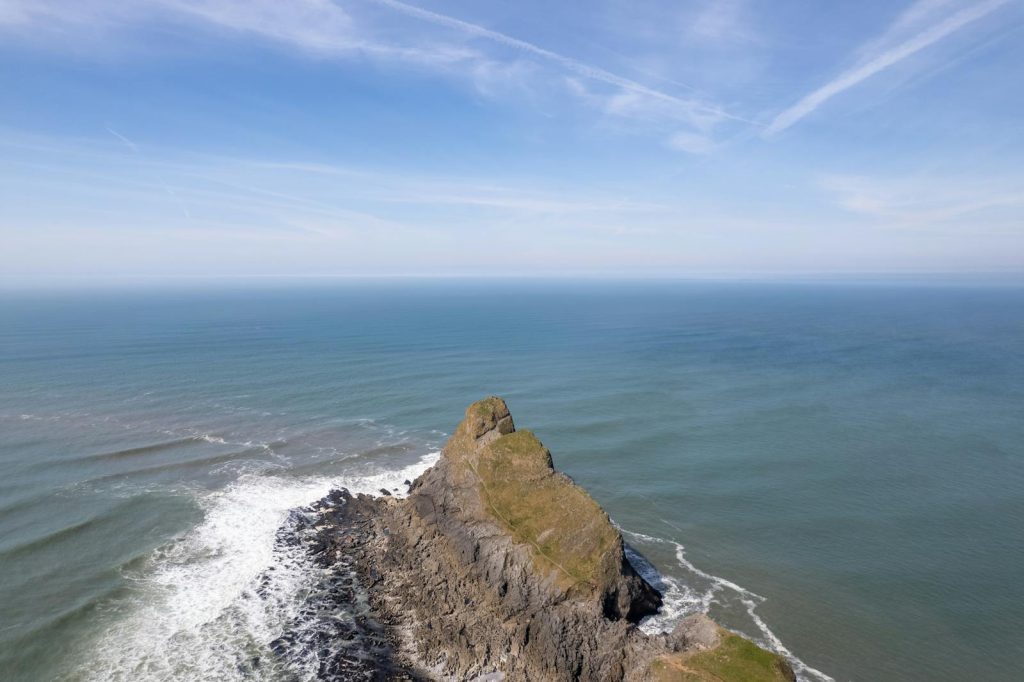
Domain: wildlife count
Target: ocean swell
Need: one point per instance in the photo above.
(210, 604)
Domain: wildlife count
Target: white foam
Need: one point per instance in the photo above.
(208, 603)
(199, 610)
(802, 670)
(212, 439)
(680, 598)
(700, 591)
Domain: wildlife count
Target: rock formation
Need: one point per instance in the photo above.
(496, 566)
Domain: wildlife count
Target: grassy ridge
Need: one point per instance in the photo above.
(569, 532)
(734, 660)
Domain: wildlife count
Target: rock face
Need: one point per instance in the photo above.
(498, 567)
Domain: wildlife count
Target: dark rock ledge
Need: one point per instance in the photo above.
(498, 567)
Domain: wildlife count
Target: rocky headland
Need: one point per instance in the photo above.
(498, 567)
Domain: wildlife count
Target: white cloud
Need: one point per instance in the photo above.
(633, 113)
(311, 24)
(721, 21)
(907, 23)
(884, 57)
(693, 143)
(685, 106)
(924, 201)
(125, 180)
(324, 28)
(318, 25)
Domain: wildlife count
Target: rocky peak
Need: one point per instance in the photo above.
(486, 420)
(506, 477)
(497, 566)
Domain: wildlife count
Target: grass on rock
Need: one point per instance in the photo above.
(736, 659)
(569, 532)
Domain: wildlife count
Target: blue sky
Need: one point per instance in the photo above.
(231, 138)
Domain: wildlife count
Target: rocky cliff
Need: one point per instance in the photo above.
(496, 566)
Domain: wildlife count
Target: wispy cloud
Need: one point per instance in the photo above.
(262, 194)
(315, 27)
(253, 215)
(928, 201)
(323, 28)
(128, 143)
(569, 64)
(721, 21)
(884, 55)
(167, 188)
(693, 143)
(315, 24)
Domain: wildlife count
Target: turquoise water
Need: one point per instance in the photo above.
(834, 470)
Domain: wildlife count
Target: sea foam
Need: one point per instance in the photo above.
(698, 592)
(207, 605)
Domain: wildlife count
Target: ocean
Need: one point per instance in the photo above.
(833, 469)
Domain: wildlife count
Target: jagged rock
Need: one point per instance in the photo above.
(498, 565)
(697, 632)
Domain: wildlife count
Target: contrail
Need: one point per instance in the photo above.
(131, 145)
(568, 63)
(880, 62)
(167, 188)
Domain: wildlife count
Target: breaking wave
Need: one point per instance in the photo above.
(698, 591)
(210, 604)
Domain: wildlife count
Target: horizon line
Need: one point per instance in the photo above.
(94, 282)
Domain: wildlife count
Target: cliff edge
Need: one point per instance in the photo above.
(496, 566)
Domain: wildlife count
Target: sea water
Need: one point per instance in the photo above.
(835, 470)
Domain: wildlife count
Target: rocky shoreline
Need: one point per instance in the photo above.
(497, 567)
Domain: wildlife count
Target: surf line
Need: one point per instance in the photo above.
(750, 601)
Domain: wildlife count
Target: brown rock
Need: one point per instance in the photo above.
(496, 564)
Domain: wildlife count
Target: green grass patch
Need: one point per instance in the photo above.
(736, 659)
(569, 533)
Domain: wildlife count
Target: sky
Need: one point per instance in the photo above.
(680, 138)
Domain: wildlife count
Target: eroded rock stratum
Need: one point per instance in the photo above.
(496, 566)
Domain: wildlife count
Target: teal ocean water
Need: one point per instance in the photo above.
(834, 470)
